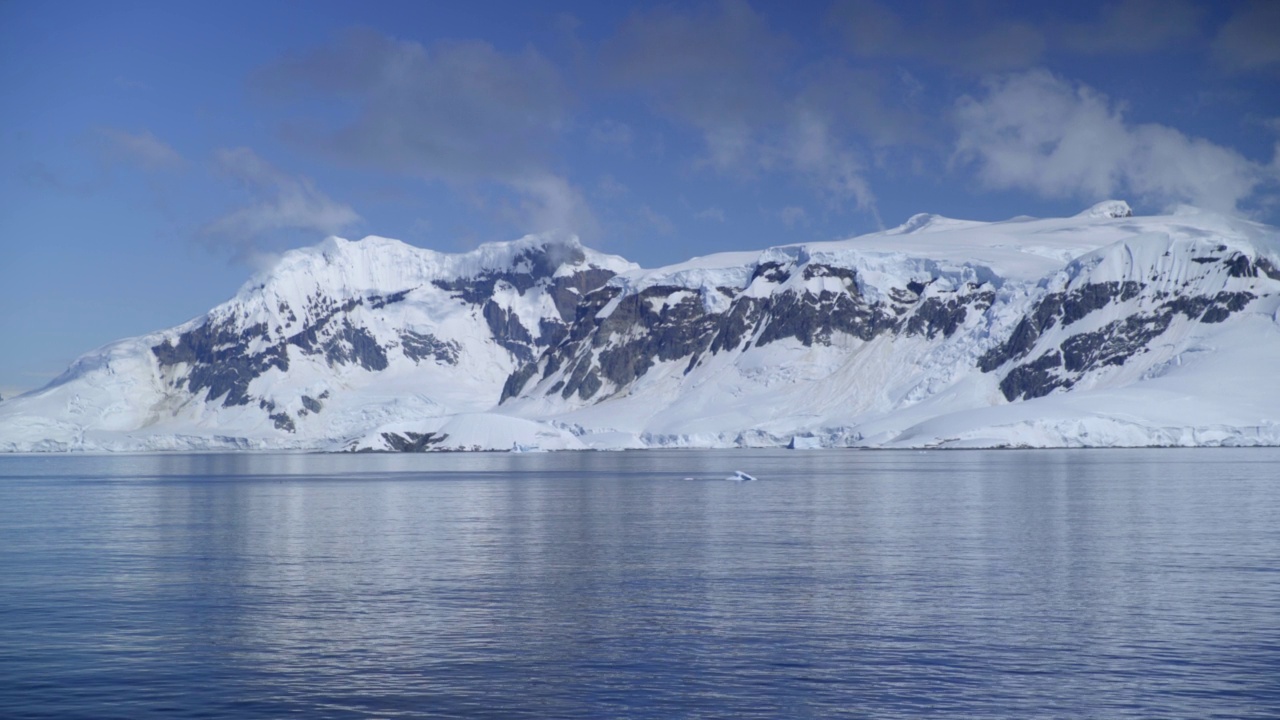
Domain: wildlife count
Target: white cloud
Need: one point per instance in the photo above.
(279, 202)
(612, 135)
(1038, 132)
(126, 83)
(793, 215)
(460, 112)
(710, 69)
(813, 151)
(966, 36)
(246, 166)
(457, 111)
(712, 213)
(549, 203)
(657, 220)
(1133, 27)
(882, 106)
(1250, 39)
(142, 149)
(726, 72)
(610, 188)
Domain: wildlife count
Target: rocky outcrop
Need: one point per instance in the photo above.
(218, 359)
(620, 334)
(1141, 311)
(1051, 330)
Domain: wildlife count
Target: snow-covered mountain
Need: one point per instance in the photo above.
(1101, 329)
(337, 342)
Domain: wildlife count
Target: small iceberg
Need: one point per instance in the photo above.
(739, 476)
(804, 442)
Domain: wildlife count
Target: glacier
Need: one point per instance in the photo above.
(1103, 329)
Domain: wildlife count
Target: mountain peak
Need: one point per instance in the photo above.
(376, 262)
(1061, 332)
(916, 223)
(1108, 209)
(929, 222)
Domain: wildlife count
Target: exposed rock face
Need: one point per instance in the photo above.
(412, 441)
(619, 334)
(219, 359)
(902, 337)
(534, 269)
(1112, 344)
(1145, 311)
(423, 346)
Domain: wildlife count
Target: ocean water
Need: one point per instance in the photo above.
(1005, 584)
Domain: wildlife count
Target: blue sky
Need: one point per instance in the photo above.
(153, 155)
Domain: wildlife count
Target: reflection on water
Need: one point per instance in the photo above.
(882, 584)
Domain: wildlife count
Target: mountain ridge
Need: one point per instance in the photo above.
(939, 332)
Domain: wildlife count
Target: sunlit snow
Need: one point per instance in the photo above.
(1196, 383)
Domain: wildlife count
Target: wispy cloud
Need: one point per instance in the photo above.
(711, 68)
(125, 83)
(723, 71)
(712, 213)
(113, 150)
(656, 220)
(1035, 131)
(969, 37)
(277, 202)
(814, 152)
(793, 215)
(1133, 27)
(141, 149)
(881, 108)
(458, 112)
(1250, 39)
(611, 135)
(867, 103)
(550, 203)
(609, 188)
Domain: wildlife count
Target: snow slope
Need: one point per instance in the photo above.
(333, 342)
(1174, 342)
(1101, 329)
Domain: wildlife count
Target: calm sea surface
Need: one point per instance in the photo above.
(1007, 584)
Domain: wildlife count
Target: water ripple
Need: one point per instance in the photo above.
(843, 584)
